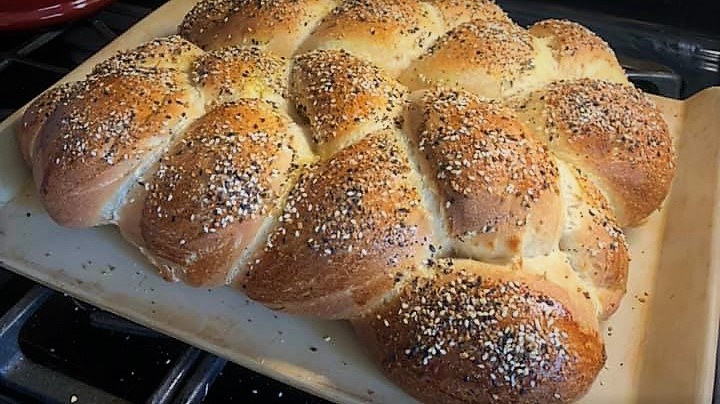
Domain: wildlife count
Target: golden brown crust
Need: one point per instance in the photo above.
(364, 229)
(216, 188)
(37, 114)
(498, 187)
(594, 244)
(343, 97)
(91, 145)
(229, 74)
(486, 333)
(579, 52)
(614, 134)
(278, 25)
(171, 52)
(456, 12)
(351, 223)
(388, 33)
(490, 58)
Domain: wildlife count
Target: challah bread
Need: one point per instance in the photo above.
(453, 184)
(342, 97)
(35, 118)
(388, 33)
(278, 25)
(350, 229)
(478, 332)
(491, 58)
(497, 187)
(611, 132)
(579, 53)
(233, 73)
(456, 12)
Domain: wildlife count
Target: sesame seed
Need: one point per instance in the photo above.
(350, 213)
(498, 46)
(613, 126)
(323, 80)
(568, 38)
(206, 173)
(473, 309)
(240, 71)
(478, 155)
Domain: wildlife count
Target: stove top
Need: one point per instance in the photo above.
(56, 349)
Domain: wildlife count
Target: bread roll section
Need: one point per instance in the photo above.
(216, 189)
(456, 12)
(452, 183)
(594, 243)
(579, 52)
(233, 73)
(34, 118)
(351, 230)
(613, 134)
(498, 188)
(492, 58)
(92, 145)
(172, 52)
(387, 33)
(279, 26)
(485, 333)
(343, 97)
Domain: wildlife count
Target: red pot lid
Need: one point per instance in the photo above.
(25, 14)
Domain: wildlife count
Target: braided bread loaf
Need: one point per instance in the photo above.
(452, 183)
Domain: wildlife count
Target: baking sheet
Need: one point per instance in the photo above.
(661, 343)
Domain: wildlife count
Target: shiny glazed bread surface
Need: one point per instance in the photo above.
(452, 183)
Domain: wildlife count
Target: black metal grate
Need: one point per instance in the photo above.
(54, 349)
(98, 349)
